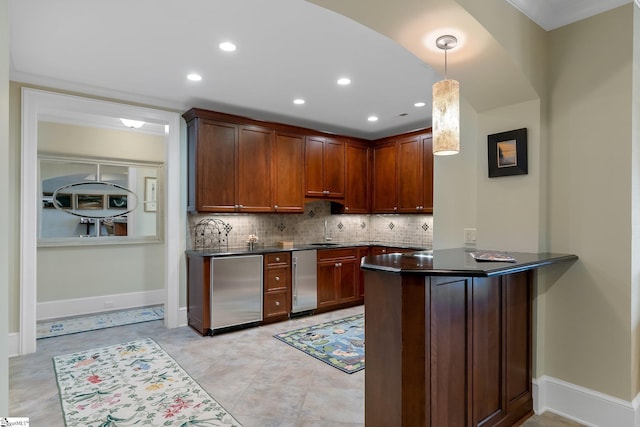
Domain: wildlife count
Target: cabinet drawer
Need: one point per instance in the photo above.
(277, 258)
(277, 278)
(276, 304)
(342, 253)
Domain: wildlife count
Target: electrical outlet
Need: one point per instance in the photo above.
(470, 236)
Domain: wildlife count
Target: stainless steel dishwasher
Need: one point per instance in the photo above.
(236, 291)
(304, 281)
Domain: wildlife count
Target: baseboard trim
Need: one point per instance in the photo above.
(91, 305)
(580, 404)
(14, 344)
(182, 316)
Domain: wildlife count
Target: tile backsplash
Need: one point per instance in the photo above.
(309, 227)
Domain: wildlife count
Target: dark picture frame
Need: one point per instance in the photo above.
(507, 153)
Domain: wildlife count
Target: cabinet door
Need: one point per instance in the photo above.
(356, 196)
(333, 166)
(215, 163)
(347, 281)
(327, 295)
(254, 169)
(314, 149)
(384, 178)
(410, 183)
(427, 173)
(288, 173)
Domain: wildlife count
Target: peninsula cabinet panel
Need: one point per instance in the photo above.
(473, 367)
(449, 352)
(324, 167)
(288, 173)
(254, 169)
(487, 383)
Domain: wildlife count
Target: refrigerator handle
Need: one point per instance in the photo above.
(294, 277)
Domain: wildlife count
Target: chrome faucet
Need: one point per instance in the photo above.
(326, 235)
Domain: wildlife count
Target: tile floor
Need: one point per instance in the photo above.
(261, 381)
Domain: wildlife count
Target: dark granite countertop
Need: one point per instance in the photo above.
(260, 250)
(459, 262)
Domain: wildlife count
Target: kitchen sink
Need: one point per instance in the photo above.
(324, 244)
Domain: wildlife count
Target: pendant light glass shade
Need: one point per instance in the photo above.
(446, 117)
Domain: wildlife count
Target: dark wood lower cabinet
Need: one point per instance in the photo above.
(447, 351)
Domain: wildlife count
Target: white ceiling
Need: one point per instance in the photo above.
(141, 51)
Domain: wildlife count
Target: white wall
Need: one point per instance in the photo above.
(455, 185)
(508, 214)
(590, 165)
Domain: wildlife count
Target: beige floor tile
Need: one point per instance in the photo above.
(261, 381)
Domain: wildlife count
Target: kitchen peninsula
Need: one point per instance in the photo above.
(449, 339)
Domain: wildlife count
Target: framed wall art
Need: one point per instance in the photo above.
(507, 153)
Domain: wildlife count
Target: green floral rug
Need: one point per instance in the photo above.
(133, 384)
(340, 343)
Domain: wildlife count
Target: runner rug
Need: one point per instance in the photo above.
(72, 325)
(339, 343)
(133, 384)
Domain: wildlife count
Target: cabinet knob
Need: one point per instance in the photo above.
(236, 206)
(384, 251)
(346, 208)
(277, 278)
(338, 264)
(275, 206)
(277, 303)
(277, 259)
(395, 208)
(241, 206)
(417, 208)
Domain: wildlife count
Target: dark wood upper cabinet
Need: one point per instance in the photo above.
(212, 164)
(385, 179)
(403, 175)
(254, 169)
(238, 164)
(288, 173)
(324, 167)
(357, 189)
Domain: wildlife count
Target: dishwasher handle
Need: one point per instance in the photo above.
(294, 277)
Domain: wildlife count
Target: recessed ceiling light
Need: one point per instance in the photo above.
(227, 46)
(194, 77)
(419, 104)
(298, 101)
(343, 81)
(372, 118)
(132, 123)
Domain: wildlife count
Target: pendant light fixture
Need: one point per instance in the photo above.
(446, 107)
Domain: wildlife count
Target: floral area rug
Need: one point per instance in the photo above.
(340, 343)
(72, 325)
(133, 384)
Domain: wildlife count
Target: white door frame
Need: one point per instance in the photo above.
(36, 103)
